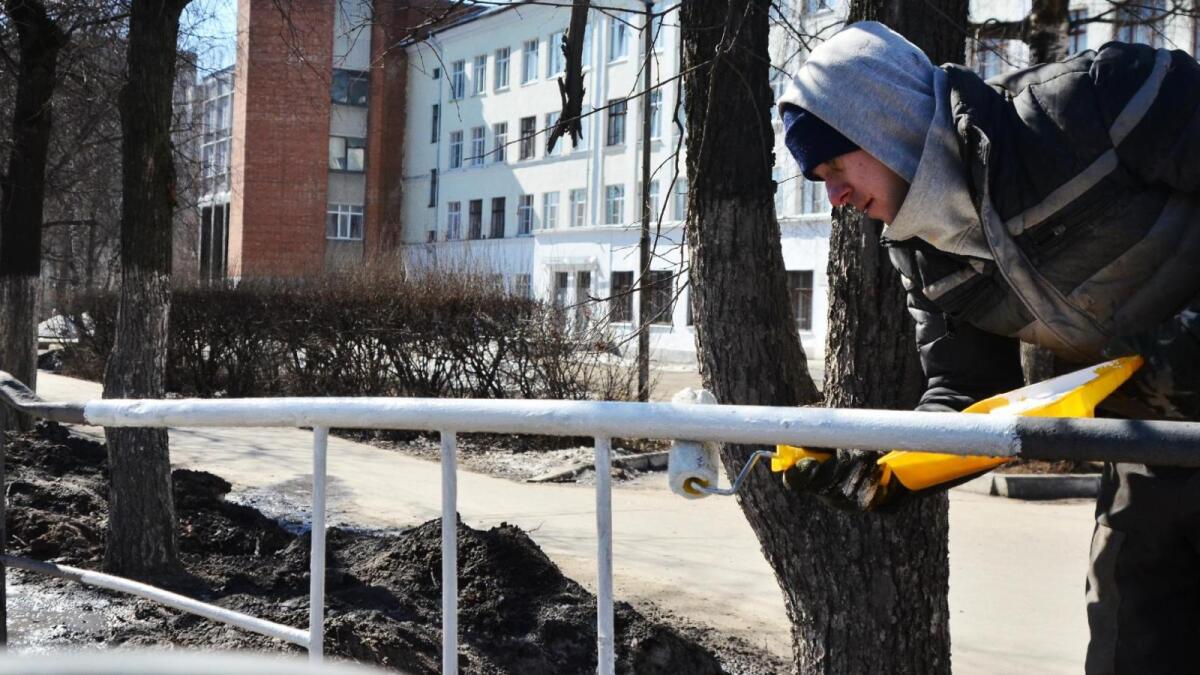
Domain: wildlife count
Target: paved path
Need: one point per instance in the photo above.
(1017, 569)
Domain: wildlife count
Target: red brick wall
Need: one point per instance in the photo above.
(280, 138)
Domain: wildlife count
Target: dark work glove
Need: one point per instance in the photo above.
(849, 480)
(1170, 378)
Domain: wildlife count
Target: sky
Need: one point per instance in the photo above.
(209, 28)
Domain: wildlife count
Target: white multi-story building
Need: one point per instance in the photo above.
(484, 193)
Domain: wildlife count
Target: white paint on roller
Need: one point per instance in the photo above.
(691, 461)
(692, 465)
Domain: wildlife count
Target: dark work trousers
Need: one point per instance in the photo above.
(1143, 586)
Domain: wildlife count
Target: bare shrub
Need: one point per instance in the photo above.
(366, 334)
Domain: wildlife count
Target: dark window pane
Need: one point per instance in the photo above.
(620, 303)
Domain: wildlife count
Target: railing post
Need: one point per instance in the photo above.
(449, 553)
(605, 655)
(316, 571)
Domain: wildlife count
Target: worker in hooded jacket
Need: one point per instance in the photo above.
(1057, 205)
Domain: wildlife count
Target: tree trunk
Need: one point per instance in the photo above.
(22, 194)
(864, 592)
(141, 538)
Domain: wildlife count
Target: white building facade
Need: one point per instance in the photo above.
(483, 193)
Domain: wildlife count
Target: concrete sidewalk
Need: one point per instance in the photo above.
(1017, 569)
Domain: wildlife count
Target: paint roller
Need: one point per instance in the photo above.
(693, 468)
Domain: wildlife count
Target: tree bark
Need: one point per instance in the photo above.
(141, 539)
(22, 194)
(864, 592)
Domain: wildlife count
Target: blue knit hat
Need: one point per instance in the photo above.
(811, 141)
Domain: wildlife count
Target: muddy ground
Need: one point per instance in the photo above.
(518, 613)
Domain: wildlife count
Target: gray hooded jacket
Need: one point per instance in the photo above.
(1056, 205)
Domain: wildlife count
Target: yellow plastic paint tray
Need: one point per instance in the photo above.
(1072, 395)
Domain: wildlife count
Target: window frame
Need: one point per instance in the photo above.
(525, 215)
(527, 148)
(453, 220)
(614, 204)
(615, 116)
(458, 80)
(550, 210)
(455, 146)
(497, 227)
(349, 211)
(501, 67)
(529, 61)
(478, 146)
(479, 75)
(499, 142)
(620, 297)
(349, 143)
(578, 214)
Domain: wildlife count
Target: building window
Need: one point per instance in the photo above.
(458, 80)
(615, 130)
(990, 57)
(562, 285)
(475, 219)
(813, 197)
(529, 56)
(479, 75)
(350, 87)
(620, 298)
(654, 213)
(453, 220)
(614, 204)
(1077, 31)
(437, 74)
(524, 214)
(347, 154)
(436, 124)
(214, 242)
(528, 133)
(583, 299)
(433, 187)
(551, 120)
(549, 210)
(344, 221)
(1141, 21)
(681, 186)
(501, 69)
(478, 145)
(656, 113)
(780, 202)
(578, 207)
(500, 141)
(497, 229)
(456, 149)
(800, 290)
(662, 296)
(618, 39)
(523, 285)
(587, 45)
(555, 61)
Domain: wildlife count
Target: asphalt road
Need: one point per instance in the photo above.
(1017, 568)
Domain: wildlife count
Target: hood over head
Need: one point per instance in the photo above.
(882, 93)
(868, 63)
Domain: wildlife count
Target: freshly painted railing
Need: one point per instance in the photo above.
(1171, 443)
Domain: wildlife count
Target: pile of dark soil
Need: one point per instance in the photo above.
(518, 613)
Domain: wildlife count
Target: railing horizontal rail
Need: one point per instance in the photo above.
(1174, 443)
(180, 602)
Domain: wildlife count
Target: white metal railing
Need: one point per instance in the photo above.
(1161, 442)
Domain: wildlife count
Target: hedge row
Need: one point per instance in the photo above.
(437, 336)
